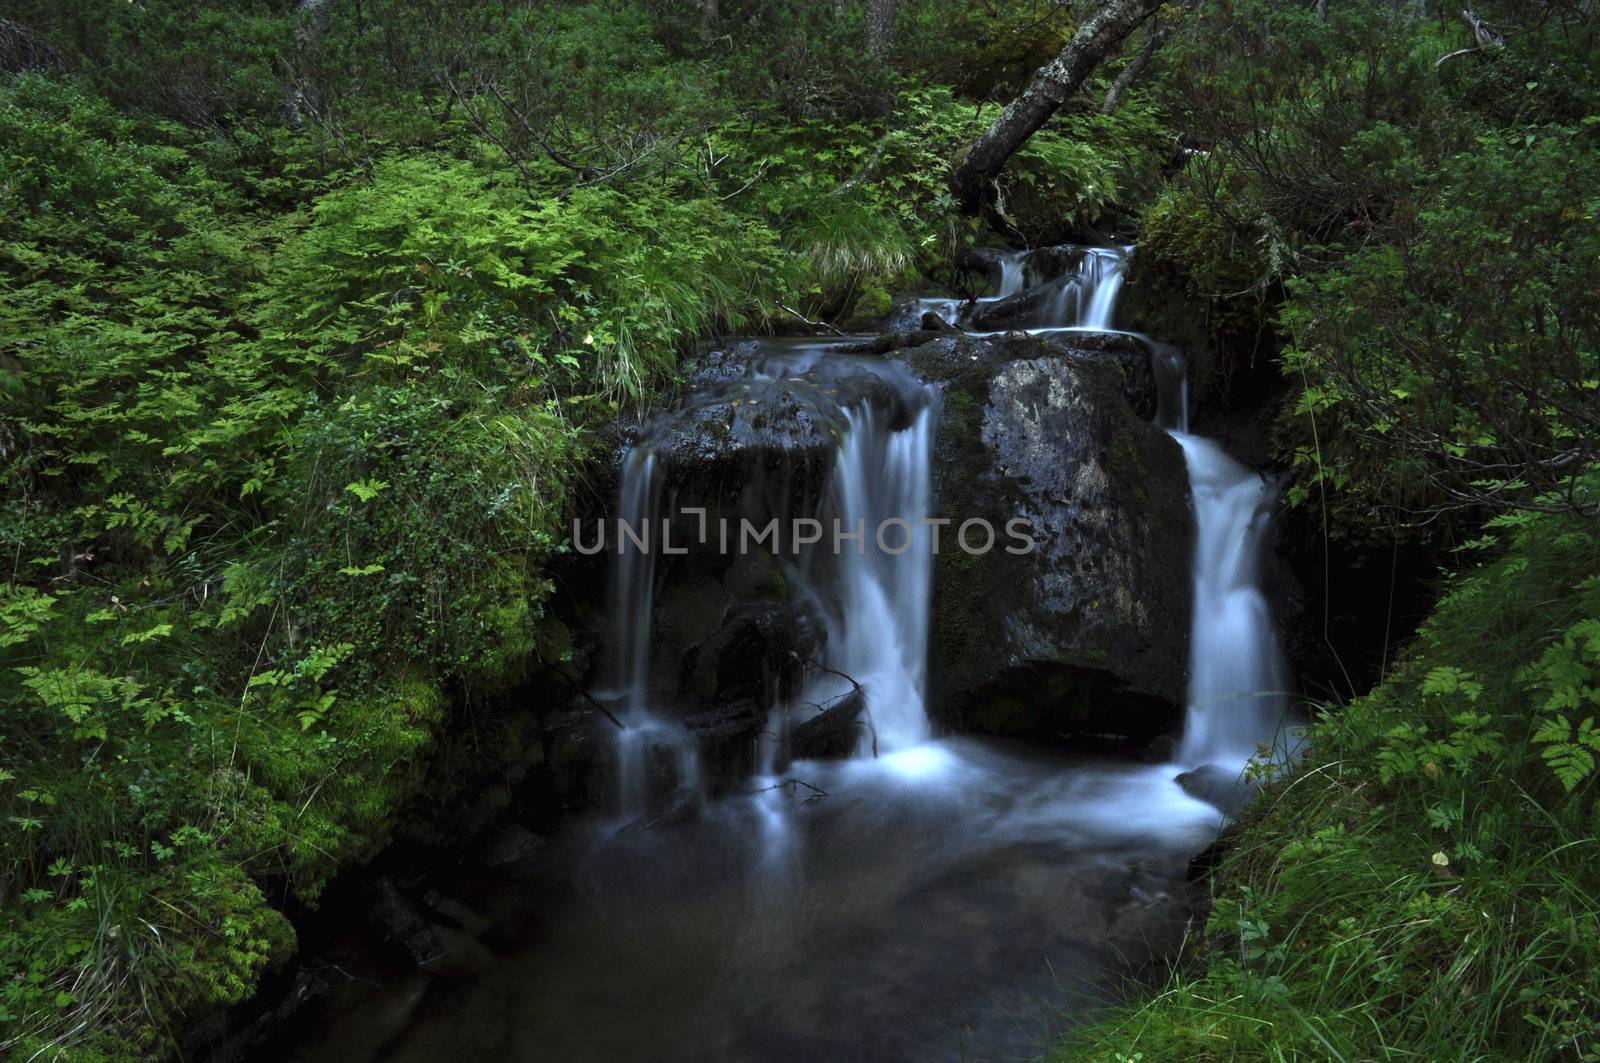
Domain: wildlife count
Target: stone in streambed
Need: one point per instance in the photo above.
(833, 732)
(405, 926)
(682, 806)
(512, 847)
(1228, 790)
(1088, 632)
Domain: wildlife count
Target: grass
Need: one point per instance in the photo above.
(1422, 886)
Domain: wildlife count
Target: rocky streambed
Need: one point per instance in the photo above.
(740, 853)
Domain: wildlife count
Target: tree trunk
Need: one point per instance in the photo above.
(310, 24)
(1052, 86)
(708, 18)
(1136, 65)
(880, 27)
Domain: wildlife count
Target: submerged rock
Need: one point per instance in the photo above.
(1088, 631)
(1227, 789)
(512, 847)
(680, 806)
(833, 732)
(405, 926)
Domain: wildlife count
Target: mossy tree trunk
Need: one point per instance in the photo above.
(1052, 86)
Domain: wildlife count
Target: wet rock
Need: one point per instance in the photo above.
(833, 732)
(1230, 791)
(578, 762)
(404, 925)
(463, 957)
(680, 806)
(756, 644)
(1025, 309)
(932, 322)
(1087, 631)
(761, 417)
(456, 913)
(726, 736)
(512, 847)
(716, 442)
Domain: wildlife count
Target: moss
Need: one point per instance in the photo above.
(874, 303)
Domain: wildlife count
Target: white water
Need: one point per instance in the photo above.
(628, 678)
(1236, 680)
(880, 637)
(1088, 298)
(1012, 264)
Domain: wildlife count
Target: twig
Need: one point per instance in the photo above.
(813, 324)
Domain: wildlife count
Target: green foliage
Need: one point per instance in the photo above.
(307, 321)
(1424, 883)
(1426, 235)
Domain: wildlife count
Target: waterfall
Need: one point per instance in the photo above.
(1237, 696)
(879, 636)
(1087, 299)
(633, 570)
(1011, 273)
(1106, 269)
(644, 737)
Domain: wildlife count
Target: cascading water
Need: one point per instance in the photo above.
(1237, 697)
(1087, 299)
(632, 607)
(812, 911)
(879, 638)
(633, 581)
(1236, 687)
(1012, 264)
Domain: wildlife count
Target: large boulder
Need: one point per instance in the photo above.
(1089, 631)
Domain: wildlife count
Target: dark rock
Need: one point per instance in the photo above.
(833, 732)
(727, 737)
(757, 643)
(1025, 309)
(456, 913)
(1230, 791)
(737, 429)
(1046, 264)
(681, 806)
(786, 429)
(896, 340)
(578, 762)
(932, 322)
(1089, 631)
(978, 269)
(404, 925)
(512, 847)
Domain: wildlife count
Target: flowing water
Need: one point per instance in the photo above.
(1087, 297)
(880, 635)
(927, 898)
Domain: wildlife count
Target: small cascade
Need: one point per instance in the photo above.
(633, 580)
(1087, 298)
(879, 637)
(644, 737)
(1012, 273)
(1237, 690)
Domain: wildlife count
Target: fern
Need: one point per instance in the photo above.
(1569, 751)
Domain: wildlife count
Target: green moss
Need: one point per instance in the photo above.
(873, 303)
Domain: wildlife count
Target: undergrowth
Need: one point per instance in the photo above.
(1423, 885)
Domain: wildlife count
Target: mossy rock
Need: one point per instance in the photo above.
(1089, 631)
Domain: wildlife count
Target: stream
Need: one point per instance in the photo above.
(918, 896)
